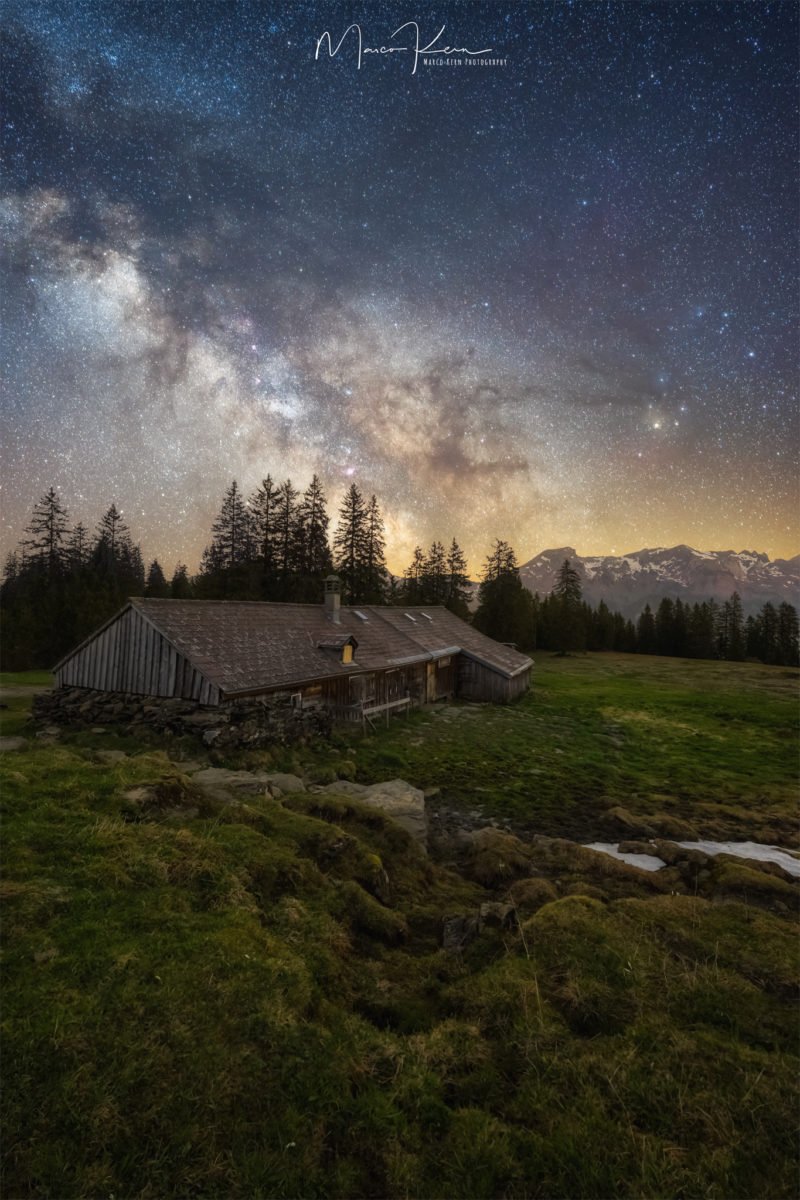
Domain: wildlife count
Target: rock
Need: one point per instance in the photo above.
(458, 932)
(210, 736)
(346, 787)
(111, 756)
(50, 733)
(98, 729)
(673, 854)
(12, 743)
(217, 781)
(638, 848)
(205, 720)
(286, 783)
(498, 913)
(403, 803)
(628, 823)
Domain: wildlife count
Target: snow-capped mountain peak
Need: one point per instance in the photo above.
(629, 581)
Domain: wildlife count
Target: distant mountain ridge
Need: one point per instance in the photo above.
(629, 581)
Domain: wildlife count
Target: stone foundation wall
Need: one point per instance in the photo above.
(253, 722)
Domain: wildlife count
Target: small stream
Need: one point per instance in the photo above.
(753, 850)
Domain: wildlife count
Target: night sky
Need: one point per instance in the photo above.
(552, 300)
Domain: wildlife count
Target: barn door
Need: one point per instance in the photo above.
(431, 690)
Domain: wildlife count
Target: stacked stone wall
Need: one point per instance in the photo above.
(266, 720)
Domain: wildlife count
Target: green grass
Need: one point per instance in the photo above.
(26, 679)
(15, 694)
(709, 744)
(251, 1001)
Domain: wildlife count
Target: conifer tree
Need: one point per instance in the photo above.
(77, 549)
(44, 547)
(263, 504)
(646, 640)
(286, 541)
(736, 643)
(156, 585)
(349, 544)
(570, 619)
(229, 531)
(314, 555)
(414, 579)
(374, 584)
(180, 587)
(768, 628)
(665, 626)
(505, 607)
(788, 650)
(434, 578)
(458, 589)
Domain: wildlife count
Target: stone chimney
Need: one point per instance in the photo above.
(333, 598)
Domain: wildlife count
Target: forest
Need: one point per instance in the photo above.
(64, 580)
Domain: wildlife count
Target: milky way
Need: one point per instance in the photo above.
(551, 298)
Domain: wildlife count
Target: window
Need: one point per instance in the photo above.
(347, 652)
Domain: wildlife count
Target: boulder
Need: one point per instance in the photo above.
(216, 781)
(402, 802)
(346, 787)
(286, 783)
(12, 743)
(111, 756)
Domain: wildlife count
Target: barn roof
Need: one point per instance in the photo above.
(247, 646)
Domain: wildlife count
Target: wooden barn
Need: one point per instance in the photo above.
(359, 662)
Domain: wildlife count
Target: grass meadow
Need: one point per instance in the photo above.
(250, 999)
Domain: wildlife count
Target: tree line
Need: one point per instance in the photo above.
(564, 622)
(63, 581)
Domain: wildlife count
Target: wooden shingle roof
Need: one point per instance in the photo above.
(247, 646)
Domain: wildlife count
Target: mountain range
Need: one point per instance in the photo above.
(629, 581)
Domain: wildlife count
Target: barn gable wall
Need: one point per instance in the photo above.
(130, 655)
(479, 682)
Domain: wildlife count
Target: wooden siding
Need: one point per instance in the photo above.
(130, 655)
(477, 682)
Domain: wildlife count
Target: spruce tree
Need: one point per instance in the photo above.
(375, 573)
(768, 621)
(286, 541)
(262, 506)
(180, 587)
(314, 555)
(458, 589)
(156, 585)
(787, 636)
(646, 641)
(78, 549)
(736, 642)
(434, 576)
(349, 544)
(414, 579)
(505, 607)
(665, 626)
(570, 620)
(230, 530)
(44, 548)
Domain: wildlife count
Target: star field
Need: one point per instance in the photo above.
(553, 301)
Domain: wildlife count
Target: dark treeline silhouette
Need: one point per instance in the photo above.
(64, 581)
